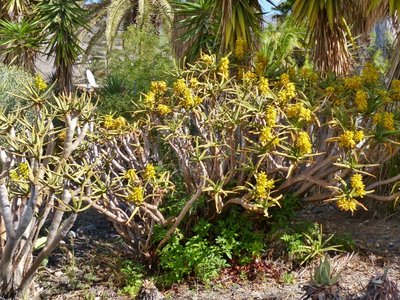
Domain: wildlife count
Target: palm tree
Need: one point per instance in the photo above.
(332, 24)
(216, 25)
(61, 19)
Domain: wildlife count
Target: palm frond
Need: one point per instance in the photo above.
(117, 10)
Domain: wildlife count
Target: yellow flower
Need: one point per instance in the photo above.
(353, 83)
(240, 47)
(40, 84)
(370, 74)
(267, 137)
(187, 100)
(270, 116)
(385, 96)
(357, 185)
(347, 204)
(346, 140)
(108, 122)
(361, 101)
(263, 185)
(119, 123)
(150, 99)
(249, 76)
(358, 136)
(163, 109)
(131, 175)
(263, 86)
(223, 68)
(303, 143)
(137, 196)
(260, 64)
(158, 87)
(149, 172)
(395, 89)
(62, 135)
(288, 91)
(180, 87)
(298, 111)
(21, 172)
(386, 119)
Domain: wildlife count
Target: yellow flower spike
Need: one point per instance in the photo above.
(263, 86)
(346, 140)
(361, 101)
(385, 96)
(249, 76)
(194, 82)
(187, 100)
(303, 143)
(14, 175)
(358, 136)
(240, 48)
(119, 123)
(395, 90)
(23, 170)
(180, 87)
(268, 137)
(261, 63)
(270, 116)
(108, 121)
(347, 204)
(131, 175)
(386, 119)
(150, 99)
(137, 196)
(298, 111)
(163, 109)
(223, 67)
(288, 90)
(62, 135)
(149, 172)
(40, 84)
(263, 185)
(370, 74)
(357, 185)
(159, 87)
(353, 83)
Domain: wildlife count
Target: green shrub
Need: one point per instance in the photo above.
(133, 273)
(12, 81)
(233, 239)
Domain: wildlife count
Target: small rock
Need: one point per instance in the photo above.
(86, 229)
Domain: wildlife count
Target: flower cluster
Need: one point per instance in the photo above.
(40, 84)
(263, 86)
(21, 172)
(223, 67)
(303, 143)
(357, 185)
(185, 94)
(163, 109)
(240, 48)
(353, 83)
(150, 100)
(263, 185)
(116, 124)
(149, 172)
(159, 87)
(395, 90)
(288, 90)
(261, 63)
(270, 116)
(131, 175)
(267, 137)
(361, 101)
(385, 119)
(298, 111)
(349, 139)
(347, 204)
(136, 196)
(369, 74)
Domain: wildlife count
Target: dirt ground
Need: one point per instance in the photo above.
(87, 266)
